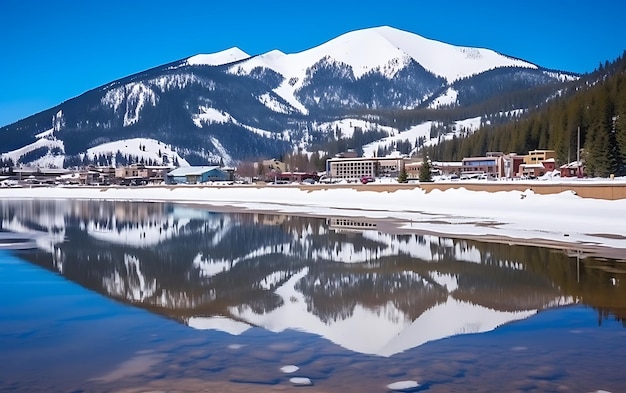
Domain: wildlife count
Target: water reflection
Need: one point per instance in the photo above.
(343, 279)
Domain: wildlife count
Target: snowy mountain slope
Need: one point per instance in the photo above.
(451, 62)
(48, 151)
(446, 99)
(224, 57)
(423, 132)
(393, 48)
(346, 127)
(144, 148)
(413, 133)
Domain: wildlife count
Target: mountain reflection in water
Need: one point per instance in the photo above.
(342, 279)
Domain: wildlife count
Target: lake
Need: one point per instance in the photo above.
(134, 297)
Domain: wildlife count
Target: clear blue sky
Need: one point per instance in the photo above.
(52, 51)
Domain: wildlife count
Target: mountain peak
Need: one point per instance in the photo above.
(449, 61)
(376, 48)
(213, 59)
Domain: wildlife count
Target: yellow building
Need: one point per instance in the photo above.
(539, 156)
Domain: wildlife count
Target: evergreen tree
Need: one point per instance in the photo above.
(403, 178)
(620, 138)
(425, 171)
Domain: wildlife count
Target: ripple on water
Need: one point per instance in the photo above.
(301, 381)
(288, 369)
(403, 386)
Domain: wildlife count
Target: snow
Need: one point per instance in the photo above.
(272, 103)
(224, 57)
(45, 134)
(447, 98)
(301, 381)
(222, 152)
(403, 385)
(412, 134)
(135, 95)
(46, 140)
(451, 62)
(179, 81)
(391, 47)
(461, 127)
(347, 125)
(471, 124)
(287, 92)
(218, 323)
(209, 115)
(288, 369)
(421, 130)
(150, 150)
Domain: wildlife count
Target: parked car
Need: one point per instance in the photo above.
(367, 179)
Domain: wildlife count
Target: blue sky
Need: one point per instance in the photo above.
(54, 50)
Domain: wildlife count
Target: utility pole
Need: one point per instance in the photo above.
(578, 165)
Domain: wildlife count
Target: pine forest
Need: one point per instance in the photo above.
(592, 115)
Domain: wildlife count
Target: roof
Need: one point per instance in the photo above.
(573, 164)
(480, 159)
(447, 164)
(192, 170)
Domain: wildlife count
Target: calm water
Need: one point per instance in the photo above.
(145, 296)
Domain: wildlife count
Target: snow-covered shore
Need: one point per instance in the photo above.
(522, 215)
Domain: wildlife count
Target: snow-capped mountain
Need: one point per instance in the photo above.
(229, 106)
(383, 52)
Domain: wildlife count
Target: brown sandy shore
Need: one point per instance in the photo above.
(606, 190)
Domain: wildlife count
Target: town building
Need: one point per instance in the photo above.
(487, 165)
(509, 165)
(356, 168)
(197, 175)
(572, 169)
(446, 168)
(539, 156)
(136, 174)
(538, 166)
